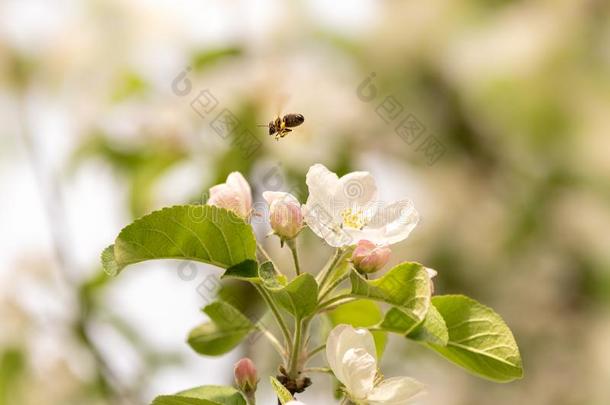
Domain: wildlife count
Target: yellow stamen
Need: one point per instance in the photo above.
(353, 219)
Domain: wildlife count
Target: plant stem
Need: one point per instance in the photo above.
(293, 371)
(331, 301)
(324, 274)
(292, 244)
(316, 351)
(333, 286)
(263, 252)
(250, 398)
(276, 313)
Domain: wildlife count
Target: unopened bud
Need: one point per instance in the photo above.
(368, 257)
(285, 214)
(246, 377)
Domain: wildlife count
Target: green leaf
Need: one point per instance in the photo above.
(433, 329)
(246, 270)
(361, 313)
(270, 277)
(206, 395)
(282, 393)
(406, 287)
(299, 297)
(479, 340)
(397, 321)
(226, 329)
(191, 232)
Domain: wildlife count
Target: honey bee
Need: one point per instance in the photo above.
(281, 125)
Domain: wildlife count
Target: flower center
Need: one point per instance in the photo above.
(353, 219)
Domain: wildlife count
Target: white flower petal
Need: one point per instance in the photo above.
(356, 190)
(321, 183)
(392, 223)
(343, 338)
(320, 211)
(395, 391)
(359, 370)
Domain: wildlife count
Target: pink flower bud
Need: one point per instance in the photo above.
(285, 214)
(368, 257)
(234, 195)
(246, 377)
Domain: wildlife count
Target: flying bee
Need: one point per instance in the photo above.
(281, 125)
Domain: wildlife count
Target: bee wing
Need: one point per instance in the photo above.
(282, 100)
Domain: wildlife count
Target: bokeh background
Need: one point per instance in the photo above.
(515, 200)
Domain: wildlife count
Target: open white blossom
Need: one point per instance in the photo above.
(352, 357)
(345, 210)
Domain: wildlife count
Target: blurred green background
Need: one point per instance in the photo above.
(98, 127)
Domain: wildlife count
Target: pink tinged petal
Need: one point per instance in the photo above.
(359, 370)
(234, 195)
(368, 257)
(271, 196)
(285, 214)
(236, 181)
(396, 391)
(246, 376)
(223, 196)
(343, 338)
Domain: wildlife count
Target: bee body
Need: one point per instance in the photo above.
(281, 125)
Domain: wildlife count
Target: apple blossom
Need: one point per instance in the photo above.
(234, 195)
(246, 377)
(285, 214)
(368, 257)
(295, 403)
(352, 357)
(345, 210)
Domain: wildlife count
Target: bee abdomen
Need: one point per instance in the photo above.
(293, 120)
